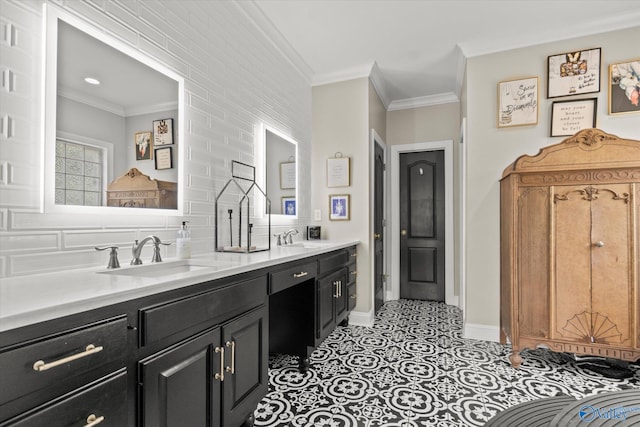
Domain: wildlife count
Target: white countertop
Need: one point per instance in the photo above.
(26, 300)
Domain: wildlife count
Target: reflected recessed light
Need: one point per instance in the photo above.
(92, 81)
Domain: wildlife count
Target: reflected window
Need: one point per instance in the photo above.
(79, 177)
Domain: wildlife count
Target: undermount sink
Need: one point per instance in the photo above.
(159, 269)
(308, 244)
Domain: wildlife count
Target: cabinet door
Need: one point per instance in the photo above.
(593, 255)
(178, 386)
(326, 310)
(342, 298)
(246, 363)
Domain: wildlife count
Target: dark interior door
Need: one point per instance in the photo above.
(378, 227)
(422, 225)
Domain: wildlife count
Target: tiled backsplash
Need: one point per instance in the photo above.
(235, 78)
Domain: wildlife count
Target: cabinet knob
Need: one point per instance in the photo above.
(599, 243)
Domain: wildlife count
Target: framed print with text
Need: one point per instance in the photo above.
(573, 73)
(164, 158)
(518, 102)
(569, 117)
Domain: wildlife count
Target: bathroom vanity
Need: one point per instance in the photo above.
(176, 343)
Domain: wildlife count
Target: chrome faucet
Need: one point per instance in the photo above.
(289, 234)
(136, 250)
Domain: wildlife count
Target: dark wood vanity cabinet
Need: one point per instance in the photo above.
(213, 379)
(196, 355)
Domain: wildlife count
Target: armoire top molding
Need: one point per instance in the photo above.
(587, 149)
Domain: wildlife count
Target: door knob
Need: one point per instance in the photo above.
(377, 236)
(403, 232)
(599, 243)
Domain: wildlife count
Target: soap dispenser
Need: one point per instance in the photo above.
(183, 242)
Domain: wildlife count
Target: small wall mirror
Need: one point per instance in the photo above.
(113, 132)
(280, 175)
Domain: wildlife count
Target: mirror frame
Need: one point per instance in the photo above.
(51, 15)
(261, 160)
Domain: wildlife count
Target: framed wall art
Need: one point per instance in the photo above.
(338, 171)
(164, 158)
(624, 87)
(569, 117)
(518, 102)
(289, 205)
(143, 146)
(573, 73)
(162, 132)
(287, 175)
(339, 207)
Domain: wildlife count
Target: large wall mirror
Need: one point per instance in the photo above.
(113, 124)
(280, 171)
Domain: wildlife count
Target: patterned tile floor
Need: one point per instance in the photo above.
(413, 368)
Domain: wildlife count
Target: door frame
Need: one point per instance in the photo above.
(376, 139)
(393, 291)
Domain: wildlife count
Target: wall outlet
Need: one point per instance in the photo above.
(317, 215)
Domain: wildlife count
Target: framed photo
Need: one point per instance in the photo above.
(573, 73)
(164, 158)
(338, 172)
(287, 175)
(339, 207)
(518, 102)
(624, 87)
(569, 117)
(288, 205)
(143, 145)
(163, 132)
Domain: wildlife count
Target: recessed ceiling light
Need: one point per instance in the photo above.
(92, 81)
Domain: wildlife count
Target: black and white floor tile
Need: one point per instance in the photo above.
(414, 369)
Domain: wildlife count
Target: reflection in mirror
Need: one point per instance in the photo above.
(108, 108)
(280, 173)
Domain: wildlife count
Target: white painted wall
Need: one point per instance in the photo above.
(341, 124)
(490, 150)
(234, 78)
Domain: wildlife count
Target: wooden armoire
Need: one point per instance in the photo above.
(569, 236)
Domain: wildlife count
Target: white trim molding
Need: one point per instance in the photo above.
(475, 331)
(362, 318)
(394, 273)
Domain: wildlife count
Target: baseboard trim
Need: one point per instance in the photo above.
(361, 318)
(474, 331)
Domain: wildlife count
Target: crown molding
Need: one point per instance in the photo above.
(357, 72)
(423, 101)
(378, 82)
(261, 22)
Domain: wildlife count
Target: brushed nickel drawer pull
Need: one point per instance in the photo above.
(220, 375)
(339, 288)
(301, 274)
(40, 365)
(353, 255)
(92, 420)
(232, 369)
(353, 296)
(353, 273)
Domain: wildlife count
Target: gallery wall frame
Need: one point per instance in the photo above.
(162, 132)
(518, 102)
(164, 158)
(143, 145)
(339, 207)
(624, 87)
(569, 117)
(573, 73)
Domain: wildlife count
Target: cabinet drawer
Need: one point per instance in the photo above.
(105, 399)
(283, 279)
(351, 290)
(201, 311)
(331, 261)
(58, 364)
(352, 274)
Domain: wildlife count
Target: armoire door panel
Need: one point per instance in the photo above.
(611, 261)
(572, 256)
(533, 269)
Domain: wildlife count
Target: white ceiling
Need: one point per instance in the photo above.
(417, 48)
